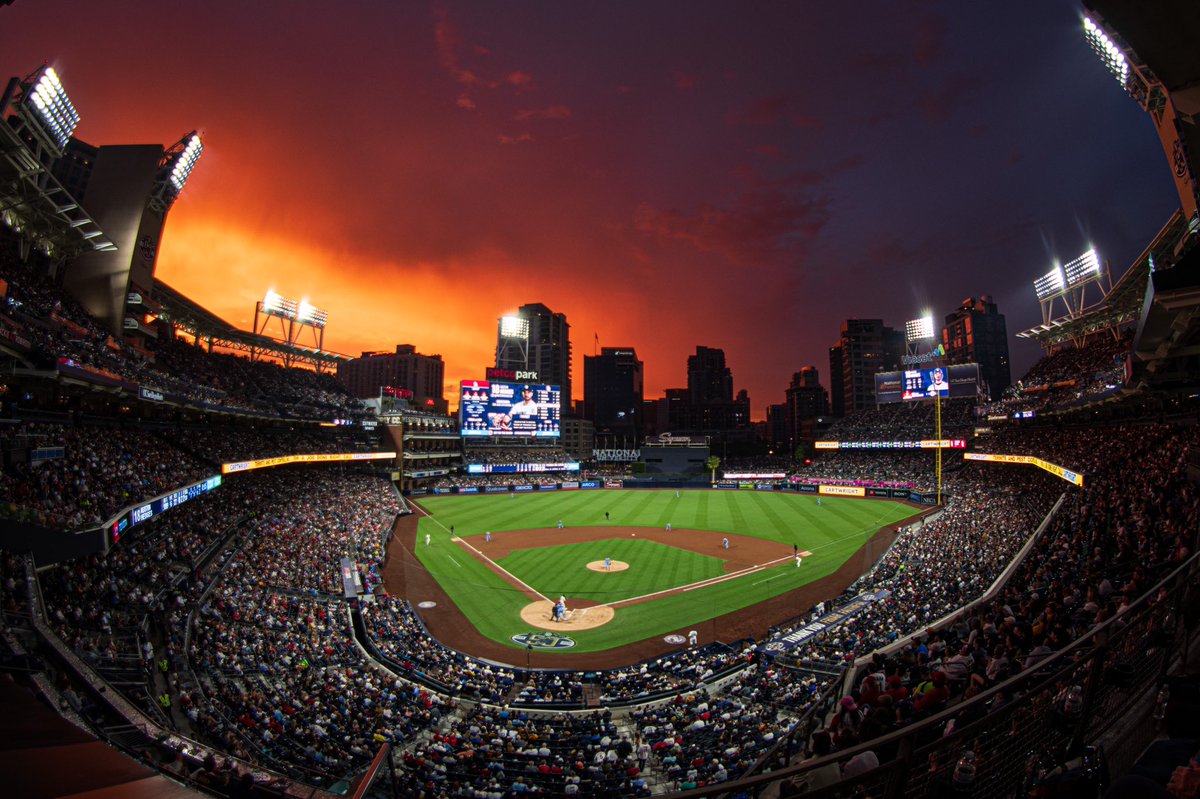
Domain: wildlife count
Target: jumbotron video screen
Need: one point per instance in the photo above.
(956, 380)
(489, 408)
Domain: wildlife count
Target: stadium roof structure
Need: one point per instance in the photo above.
(185, 314)
(1167, 345)
(1124, 302)
(34, 203)
(1165, 37)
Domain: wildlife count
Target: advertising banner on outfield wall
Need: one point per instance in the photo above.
(551, 487)
(495, 489)
(879, 492)
(522, 488)
(468, 490)
(781, 644)
(842, 491)
(805, 488)
(589, 484)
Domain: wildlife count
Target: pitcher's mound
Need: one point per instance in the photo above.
(537, 614)
(617, 566)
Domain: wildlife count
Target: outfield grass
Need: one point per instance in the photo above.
(832, 532)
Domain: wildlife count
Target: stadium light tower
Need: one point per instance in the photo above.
(293, 319)
(1140, 82)
(174, 169)
(919, 329)
(1070, 283)
(37, 120)
(917, 332)
(512, 343)
(50, 115)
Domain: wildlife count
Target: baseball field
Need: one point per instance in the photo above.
(504, 561)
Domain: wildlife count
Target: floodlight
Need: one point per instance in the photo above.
(514, 327)
(919, 329)
(1082, 267)
(186, 162)
(1049, 284)
(309, 315)
(55, 114)
(278, 306)
(1107, 49)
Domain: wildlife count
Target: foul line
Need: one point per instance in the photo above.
(455, 562)
(769, 579)
(503, 570)
(702, 583)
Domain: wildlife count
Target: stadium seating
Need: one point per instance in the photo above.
(230, 607)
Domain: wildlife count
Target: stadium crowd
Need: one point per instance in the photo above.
(501, 752)
(102, 469)
(904, 421)
(1105, 547)
(907, 468)
(511, 455)
(395, 631)
(1068, 376)
(59, 334)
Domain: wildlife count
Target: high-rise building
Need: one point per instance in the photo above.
(867, 347)
(837, 397)
(405, 370)
(546, 349)
(806, 400)
(975, 333)
(707, 406)
(777, 428)
(612, 391)
(709, 379)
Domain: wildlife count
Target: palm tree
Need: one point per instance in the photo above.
(713, 463)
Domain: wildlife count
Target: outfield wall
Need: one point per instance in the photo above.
(818, 489)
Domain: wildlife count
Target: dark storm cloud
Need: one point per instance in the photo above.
(420, 170)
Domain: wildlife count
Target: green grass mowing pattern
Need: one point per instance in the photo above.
(832, 531)
(562, 570)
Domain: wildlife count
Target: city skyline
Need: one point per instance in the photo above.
(741, 178)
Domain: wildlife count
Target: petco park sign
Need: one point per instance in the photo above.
(511, 374)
